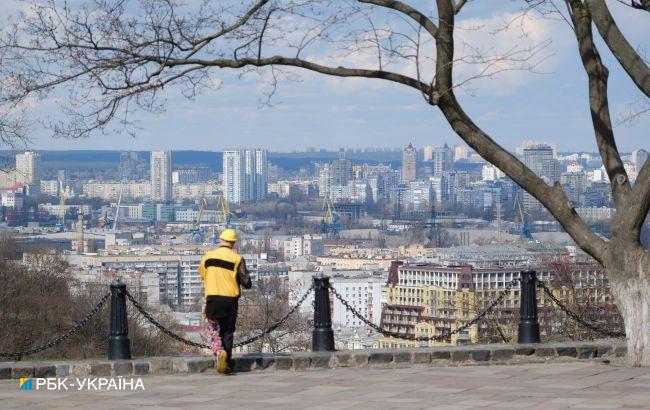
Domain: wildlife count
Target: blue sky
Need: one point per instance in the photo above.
(329, 113)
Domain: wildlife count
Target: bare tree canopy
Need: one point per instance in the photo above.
(108, 58)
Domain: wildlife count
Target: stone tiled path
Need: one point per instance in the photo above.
(579, 385)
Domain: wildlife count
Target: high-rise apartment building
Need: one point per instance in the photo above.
(324, 179)
(245, 175)
(233, 174)
(460, 153)
(428, 153)
(443, 160)
(540, 158)
(28, 168)
(132, 167)
(409, 164)
(574, 184)
(341, 172)
(261, 175)
(161, 176)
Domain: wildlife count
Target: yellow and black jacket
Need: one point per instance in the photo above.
(223, 272)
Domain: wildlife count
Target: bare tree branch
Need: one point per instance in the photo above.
(639, 203)
(631, 61)
(598, 74)
(553, 198)
(404, 8)
(637, 4)
(459, 5)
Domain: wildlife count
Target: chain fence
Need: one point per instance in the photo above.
(386, 332)
(188, 342)
(575, 316)
(438, 338)
(74, 329)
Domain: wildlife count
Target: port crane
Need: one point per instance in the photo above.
(224, 208)
(222, 205)
(331, 223)
(523, 218)
(197, 233)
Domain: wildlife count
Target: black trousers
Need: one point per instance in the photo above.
(223, 309)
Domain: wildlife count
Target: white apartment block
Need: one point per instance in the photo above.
(53, 209)
(171, 279)
(362, 289)
(161, 176)
(245, 175)
(593, 213)
(28, 166)
(491, 173)
(13, 199)
(364, 293)
(233, 175)
(210, 189)
(111, 190)
(307, 245)
(355, 191)
(50, 187)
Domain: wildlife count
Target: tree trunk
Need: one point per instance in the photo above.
(629, 275)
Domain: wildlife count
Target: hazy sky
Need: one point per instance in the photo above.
(328, 112)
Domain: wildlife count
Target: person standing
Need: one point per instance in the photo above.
(224, 272)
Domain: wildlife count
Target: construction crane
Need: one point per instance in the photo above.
(331, 223)
(525, 228)
(222, 205)
(119, 204)
(197, 234)
(60, 220)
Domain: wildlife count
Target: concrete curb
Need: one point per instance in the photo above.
(433, 356)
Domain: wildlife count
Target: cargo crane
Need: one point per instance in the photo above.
(331, 223)
(525, 228)
(222, 205)
(224, 208)
(197, 234)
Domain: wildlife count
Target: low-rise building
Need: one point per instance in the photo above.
(306, 245)
(426, 300)
(594, 213)
(110, 190)
(13, 197)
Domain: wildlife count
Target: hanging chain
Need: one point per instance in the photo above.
(278, 323)
(74, 329)
(181, 339)
(438, 338)
(575, 316)
(161, 327)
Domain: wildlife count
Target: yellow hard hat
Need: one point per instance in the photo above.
(228, 235)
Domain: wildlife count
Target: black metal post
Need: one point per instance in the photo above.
(323, 335)
(119, 346)
(528, 320)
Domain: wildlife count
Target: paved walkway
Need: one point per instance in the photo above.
(576, 385)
